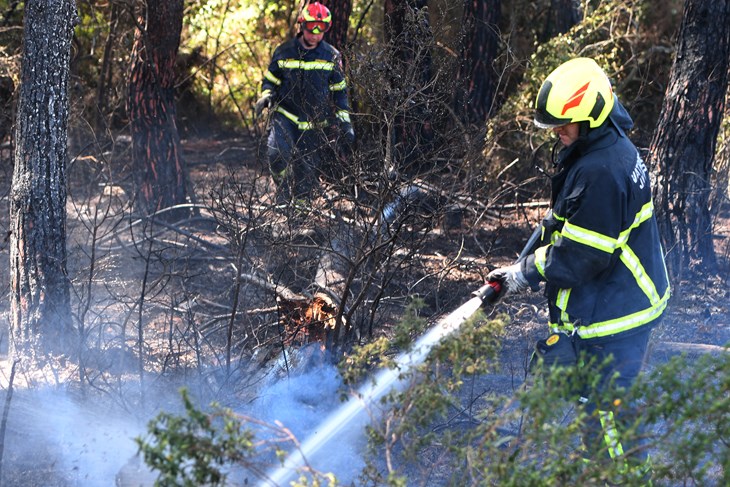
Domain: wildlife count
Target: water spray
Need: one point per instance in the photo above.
(353, 415)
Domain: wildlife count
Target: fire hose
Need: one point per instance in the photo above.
(353, 415)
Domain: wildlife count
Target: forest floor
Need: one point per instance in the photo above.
(56, 436)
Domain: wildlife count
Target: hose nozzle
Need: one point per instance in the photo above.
(489, 292)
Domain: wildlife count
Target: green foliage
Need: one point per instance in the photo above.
(721, 174)
(690, 399)
(192, 449)
(534, 436)
(528, 437)
(430, 396)
(608, 33)
(379, 353)
(235, 40)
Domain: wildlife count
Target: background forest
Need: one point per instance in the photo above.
(161, 261)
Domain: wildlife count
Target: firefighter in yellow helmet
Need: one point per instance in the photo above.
(306, 87)
(600, 255)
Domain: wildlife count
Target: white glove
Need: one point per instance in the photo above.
(262, 103)
(511, 277)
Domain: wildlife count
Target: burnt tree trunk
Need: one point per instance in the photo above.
(7, 93)
(477, 78)
(40, 317)
(106, 71)
(683, 145)
(562, 15)
(409, 39)
(159, 168)
(341, 10)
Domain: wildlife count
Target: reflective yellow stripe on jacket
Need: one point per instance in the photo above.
(306, 65)
(629, 259)
(342, 115)
(270, 76)
(338, 86)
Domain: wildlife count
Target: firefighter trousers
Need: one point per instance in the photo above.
(612, 421)
(295, 158)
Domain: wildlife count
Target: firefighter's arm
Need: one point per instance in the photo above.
(585, 245)
(270, 84)
(338, 90)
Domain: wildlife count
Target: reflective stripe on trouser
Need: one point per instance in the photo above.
(611, 436)
(632, 461)
(610, 419)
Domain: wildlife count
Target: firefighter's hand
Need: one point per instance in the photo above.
(348, 133)
(511, 277)
(345, 140)
(263, 102)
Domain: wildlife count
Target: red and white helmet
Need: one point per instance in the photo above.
(315, 18)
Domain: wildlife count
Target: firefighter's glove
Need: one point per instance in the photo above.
(512, 279)
(346, 140)
(263, 102)
(348, 134)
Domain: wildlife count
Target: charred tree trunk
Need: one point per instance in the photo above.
(409, 37)
(683, 146)
(341, 10)
(105, 70)
(7, 93)
(477, 78)
(562, 15)
(159, 168)
(40, 318)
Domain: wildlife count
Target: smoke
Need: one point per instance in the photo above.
(301, 402)
(58, 437)
(63, 440)
(333, 445)
(91, 442)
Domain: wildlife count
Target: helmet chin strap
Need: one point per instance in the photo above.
(554, 152)
(583, 128)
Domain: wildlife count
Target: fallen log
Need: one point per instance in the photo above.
(696, 348)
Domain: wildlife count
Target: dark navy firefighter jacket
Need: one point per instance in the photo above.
(600, 254)
(308, 85)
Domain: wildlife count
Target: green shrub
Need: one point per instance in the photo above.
(192, 449)
(440, 431)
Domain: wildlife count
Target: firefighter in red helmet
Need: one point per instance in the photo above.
(305, 86)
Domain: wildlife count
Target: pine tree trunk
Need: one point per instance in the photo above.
(105, 71)
(159, 168)
(683, 145)
(561, 17)
(477, 76)
(409, 37)
(340, 10)
(40, 318)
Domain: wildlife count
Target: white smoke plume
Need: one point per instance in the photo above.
(54, 438)
(58, 437)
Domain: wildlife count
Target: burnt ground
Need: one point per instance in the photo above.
(161, 294)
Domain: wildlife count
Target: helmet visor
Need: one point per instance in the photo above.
(316, 27)
(547, 125)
